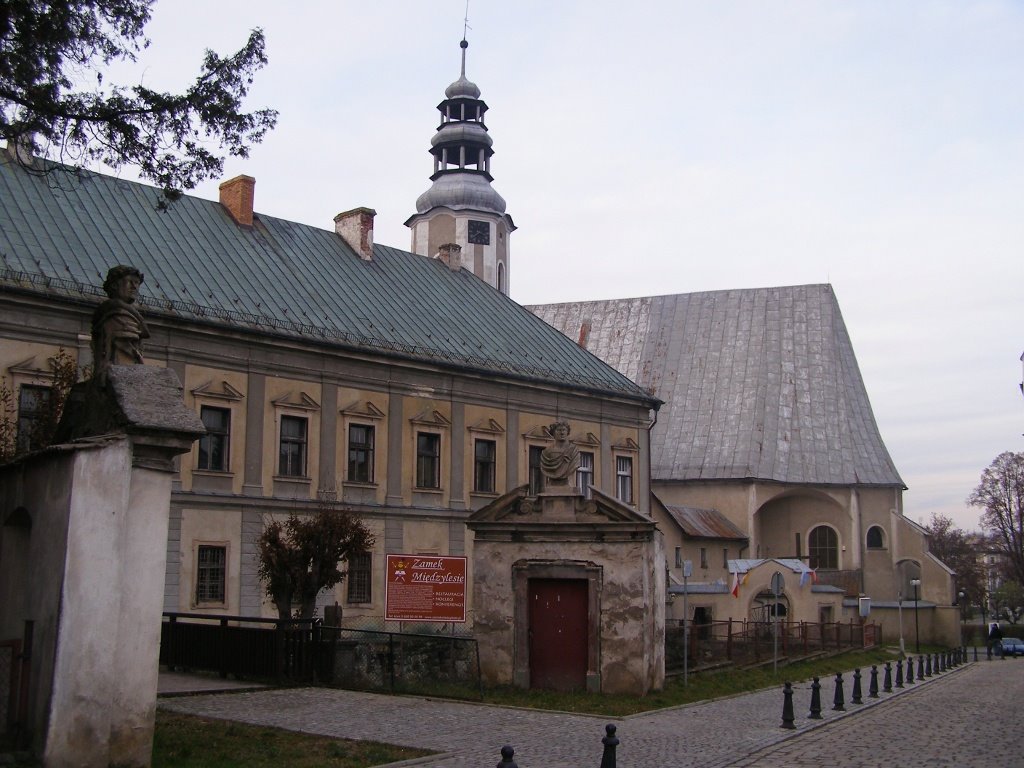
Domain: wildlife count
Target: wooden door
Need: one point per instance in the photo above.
(558, 634)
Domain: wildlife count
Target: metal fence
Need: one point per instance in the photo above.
(750, 642)
(307, 651)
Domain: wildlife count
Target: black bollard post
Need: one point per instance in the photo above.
(815, 700)
(899, 674)
(787, 707)
(855, 698)
(837, 700)
(873, 684)
(506, 758)
(943, 666)
(610, 741)
(910, 669)
(887, 681)
(920, 668)
(975, 653)
(928, 665)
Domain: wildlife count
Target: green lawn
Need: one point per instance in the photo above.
(183, 741)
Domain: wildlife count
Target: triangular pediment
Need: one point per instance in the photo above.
(488, 425)
(589, 440)
(627, 444)
(539, 432)
(299, 400)
(431, 418)
(364, 409)
(218, 391)
(517, 506)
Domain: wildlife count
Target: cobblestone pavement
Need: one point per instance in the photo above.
(950, 710)
(968, 720)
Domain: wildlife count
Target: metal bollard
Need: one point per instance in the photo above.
(975, 653)
(899, 674)
(910, 669)
(873, 683)
(787, 707)
(610, 741)
(920, 668)
(815, 700)
(855, 697)
(837, 700)
(506, 758)
(887, 682)
(943, 666)
(928, 665)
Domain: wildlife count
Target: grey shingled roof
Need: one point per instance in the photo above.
(59, 236)
(759, 383)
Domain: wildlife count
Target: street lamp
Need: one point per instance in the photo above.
(899, 606)
(963, 617)
(916, 584)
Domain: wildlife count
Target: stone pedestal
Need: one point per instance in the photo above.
(93, 516)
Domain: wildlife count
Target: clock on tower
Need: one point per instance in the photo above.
(479, 232)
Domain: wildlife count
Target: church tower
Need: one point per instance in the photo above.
(461, 207)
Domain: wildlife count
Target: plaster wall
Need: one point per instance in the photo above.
(218, 527)
(631, 624)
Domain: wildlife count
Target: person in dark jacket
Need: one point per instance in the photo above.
(995, 636)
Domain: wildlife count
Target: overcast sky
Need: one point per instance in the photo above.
(649, 148)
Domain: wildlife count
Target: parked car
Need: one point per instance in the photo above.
(1013, 646)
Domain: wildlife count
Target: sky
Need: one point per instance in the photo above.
(653, 148)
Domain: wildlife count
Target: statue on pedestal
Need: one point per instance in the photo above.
(558, 462)
(117, 325)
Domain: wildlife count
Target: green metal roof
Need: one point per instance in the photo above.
(59, 234)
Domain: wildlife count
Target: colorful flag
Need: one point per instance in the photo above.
(736, 584)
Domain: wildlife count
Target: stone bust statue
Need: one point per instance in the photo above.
(559, 461)
(117, 325)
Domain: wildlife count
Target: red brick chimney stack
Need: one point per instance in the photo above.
(237, 196)
(356, 229)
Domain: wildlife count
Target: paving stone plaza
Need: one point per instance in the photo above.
(968, 716)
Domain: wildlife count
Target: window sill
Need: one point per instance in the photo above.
(358, 484)
(438, 491)
(292, 479)
(212, 473)
(485, 494)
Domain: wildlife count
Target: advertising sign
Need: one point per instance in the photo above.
(425, 588)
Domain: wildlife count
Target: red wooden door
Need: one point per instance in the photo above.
(558, 634)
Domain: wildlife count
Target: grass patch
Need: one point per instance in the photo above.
(703, 686)
(184, 741)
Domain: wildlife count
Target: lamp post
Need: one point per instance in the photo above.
(963, 617)
(899, 607)
(916, 584)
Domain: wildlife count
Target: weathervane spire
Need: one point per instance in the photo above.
(464, 44)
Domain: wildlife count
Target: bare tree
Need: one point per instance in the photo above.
(957, 548)
(302, 555)
(1000, 495)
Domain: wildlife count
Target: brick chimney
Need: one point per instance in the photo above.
(356, 229)
(237, 195)
(451, 255)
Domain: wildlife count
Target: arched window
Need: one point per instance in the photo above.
(876, 537)
(501, 277)
(823, 547)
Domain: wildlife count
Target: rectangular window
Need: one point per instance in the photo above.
(585, 473)
(624, 479)
(33, 405)
(704, 558)
(360, 453)
(359, 572)
(484, 464)
(725, 557)
(428, 460)
(211, 570)
(799, 554)
(293, 446)
(213, 446)
(679, 557)
(535, 475)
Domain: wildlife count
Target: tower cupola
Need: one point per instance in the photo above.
(461, 207)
